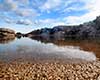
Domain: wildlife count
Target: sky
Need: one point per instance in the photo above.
(27, 15)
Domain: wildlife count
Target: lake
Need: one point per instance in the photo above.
(42, 49)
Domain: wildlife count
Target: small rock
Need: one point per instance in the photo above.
(98, 77)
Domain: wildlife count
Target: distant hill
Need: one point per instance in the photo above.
(88, 29)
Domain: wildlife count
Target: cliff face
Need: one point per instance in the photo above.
(89, 29)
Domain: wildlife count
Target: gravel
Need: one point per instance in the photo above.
(49, 71)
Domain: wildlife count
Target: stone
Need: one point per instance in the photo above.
(98, 77)
(6, 33)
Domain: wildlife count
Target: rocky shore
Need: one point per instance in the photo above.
(49, 71)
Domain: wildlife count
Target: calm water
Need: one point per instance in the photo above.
(30, 49)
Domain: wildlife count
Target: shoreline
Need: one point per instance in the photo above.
(49, 70)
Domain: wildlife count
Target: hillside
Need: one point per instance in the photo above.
(88, 29)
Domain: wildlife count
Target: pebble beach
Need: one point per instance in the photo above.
(47, 70)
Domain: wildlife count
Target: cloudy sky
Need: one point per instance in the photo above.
(26, 15)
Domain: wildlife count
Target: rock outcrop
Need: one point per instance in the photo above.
(6, 33)
(86, 30)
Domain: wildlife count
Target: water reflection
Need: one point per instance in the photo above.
(90, 45)
(6, 40)
(41, 49)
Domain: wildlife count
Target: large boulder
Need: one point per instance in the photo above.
(7, 33)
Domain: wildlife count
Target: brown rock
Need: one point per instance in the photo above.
(6, 35)
(4, 32)
(98, 78)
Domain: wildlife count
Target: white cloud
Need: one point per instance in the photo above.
(46, 21)
(50, 4)
(19, 21)
(8, 20)
(26, 12)
(56, 4)
(75, 8)
(49, 22)
(14, 6)
(8, 5)
(93, 7)
(24, 22)
(24, 2)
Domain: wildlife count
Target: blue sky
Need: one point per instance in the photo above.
(27, 15)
